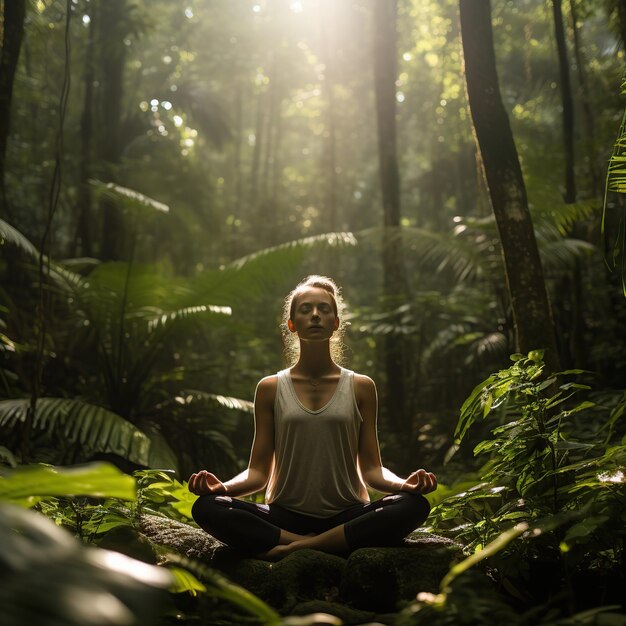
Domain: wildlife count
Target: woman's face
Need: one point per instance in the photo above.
(314, 317)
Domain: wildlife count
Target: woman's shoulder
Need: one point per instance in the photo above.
(363, 384)
(268, 383)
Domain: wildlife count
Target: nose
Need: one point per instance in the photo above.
(315, 314)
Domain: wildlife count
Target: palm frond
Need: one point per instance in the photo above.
(490, 346)
(561, 255)
(557, 220)
(10, 234)
(165, 319)
(616, 182)
(249, 276)
(90, 425)
(128, 198)
(229, 402)
(297, 246)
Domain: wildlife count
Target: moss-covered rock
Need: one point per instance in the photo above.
(383, 579)
(370, 580)
(346, 614)
(185, 539)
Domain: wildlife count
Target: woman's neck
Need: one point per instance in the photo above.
(315, 360)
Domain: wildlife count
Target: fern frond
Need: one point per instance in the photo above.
(128, 198)
(250, 276)
(329, 239)
(557, 220)
(10, 234)
(165, 319)
(229, 402)
(80, 422)
(562, 254)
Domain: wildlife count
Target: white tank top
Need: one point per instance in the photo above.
(315, 468)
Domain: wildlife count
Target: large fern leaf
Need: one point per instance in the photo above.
(10, 234)
(128, 198)
(229, 402)
(251, 275)
(77, 421)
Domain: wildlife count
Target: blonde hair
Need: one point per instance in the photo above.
(290, 340)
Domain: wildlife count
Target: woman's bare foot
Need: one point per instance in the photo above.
(284, 547)
(277, 552)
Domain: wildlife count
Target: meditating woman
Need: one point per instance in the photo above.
(315, 448)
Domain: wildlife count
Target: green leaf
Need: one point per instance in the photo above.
(88, 424)
(9, 234)
(585, 528)
(128, 198)
(492, 548)
(185, 582)
(97, 480)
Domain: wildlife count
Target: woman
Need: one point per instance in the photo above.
(315, 448)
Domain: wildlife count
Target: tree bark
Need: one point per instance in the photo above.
(566, 101)
(394, 278)
(113, 27)
(525, 282)
(589, 124)
(330, 160)
(13, 15)
(85, 209)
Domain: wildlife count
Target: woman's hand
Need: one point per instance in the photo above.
(420, 481)
(204, 482)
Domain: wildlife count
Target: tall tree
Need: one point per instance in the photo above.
(589, 122)
(330, 153)
(84, 232)
(114, 24)
(525, 281)
(394, 277)
(13, 15)
(566, 101)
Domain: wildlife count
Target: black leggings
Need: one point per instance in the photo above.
(256, 528)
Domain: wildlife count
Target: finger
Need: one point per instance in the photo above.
(415, 478)
(434, 481)
(212, 479)
(192, 483)
(431, 483)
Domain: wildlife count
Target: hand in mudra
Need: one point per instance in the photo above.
(204, 482)
(420, 481)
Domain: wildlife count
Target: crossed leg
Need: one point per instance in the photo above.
(272, 532)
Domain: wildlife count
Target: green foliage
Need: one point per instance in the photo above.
(616, 182)
(34, 548)
(158, 492)
(27, 485)
(554, 476)
(91, 426)
(48, 578)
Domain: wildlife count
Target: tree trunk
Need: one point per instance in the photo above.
(531, 310)
(256, 153)
(85, 208)
(13, 15)
(589, 124)
(567, 102)
(113, 27)
(330, 160)
(394, 278)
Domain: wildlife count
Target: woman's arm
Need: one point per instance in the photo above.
(372, 470)
(256, 476)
